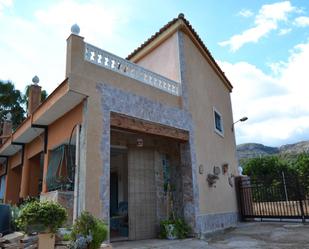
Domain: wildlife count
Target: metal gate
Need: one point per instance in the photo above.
(285, 197)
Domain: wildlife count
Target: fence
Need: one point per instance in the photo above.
(284, 197)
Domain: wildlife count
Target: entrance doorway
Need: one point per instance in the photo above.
(146, 184)
(119, 228)
(36, 176)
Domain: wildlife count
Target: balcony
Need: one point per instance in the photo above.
(117, 64)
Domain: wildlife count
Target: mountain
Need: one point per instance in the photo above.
(250, 150)
(295, 148)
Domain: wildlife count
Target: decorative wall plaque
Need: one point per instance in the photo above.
(139, 142)
(212, 179)
(217, 170)
(201, 169)
(225, 168)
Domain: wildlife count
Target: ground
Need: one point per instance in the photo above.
(247, 235)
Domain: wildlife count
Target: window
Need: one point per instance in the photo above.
(218, 122)
(60, 172)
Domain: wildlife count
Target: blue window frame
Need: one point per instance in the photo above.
(218, 122)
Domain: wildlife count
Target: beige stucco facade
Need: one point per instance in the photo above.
(171, 82)
(168, 50)
(205, 92)
(84, 78)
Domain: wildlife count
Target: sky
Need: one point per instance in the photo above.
(262, 46)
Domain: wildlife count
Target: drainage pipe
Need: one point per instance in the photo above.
(76, 181)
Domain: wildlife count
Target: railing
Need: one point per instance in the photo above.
(127, 68)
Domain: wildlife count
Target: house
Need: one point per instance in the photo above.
(121, 138)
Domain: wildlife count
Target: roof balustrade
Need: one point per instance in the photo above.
(117, 64)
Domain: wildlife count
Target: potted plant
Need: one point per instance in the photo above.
(88, 232)
(172, 228)
(43, 218)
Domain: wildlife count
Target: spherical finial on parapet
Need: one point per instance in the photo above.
(181, 15)
(75, 29)
(35, 80)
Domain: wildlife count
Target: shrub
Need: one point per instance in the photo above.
(66, 237)
(181, 228)
(15, 211)
(87, 229)
(44, 216)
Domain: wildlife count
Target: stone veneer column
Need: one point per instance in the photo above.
(188, 160)
(159, 181)
(187, 184)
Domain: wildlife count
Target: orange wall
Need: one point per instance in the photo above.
(13, 181)
(35, 175)
(60, 131)
(34, 147)
(15, 160)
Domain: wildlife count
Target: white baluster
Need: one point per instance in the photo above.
(117, 64)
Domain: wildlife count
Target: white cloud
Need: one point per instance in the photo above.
(276, 104)
(97, 21)
(5, 4)
(284, 31)
(38, 45)
(245, 13)
(265, 21)
(302, 21)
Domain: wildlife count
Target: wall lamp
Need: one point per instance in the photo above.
(243, 119)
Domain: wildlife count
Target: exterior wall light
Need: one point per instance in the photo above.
(243, 119)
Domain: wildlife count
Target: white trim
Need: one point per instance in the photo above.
(221, 133)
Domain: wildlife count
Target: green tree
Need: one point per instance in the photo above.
(11, 100)
(302, 165)
(268, 167)
(15, 102)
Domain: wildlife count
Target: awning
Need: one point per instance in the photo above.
(64, 104)
(61, 101)
(10, 149)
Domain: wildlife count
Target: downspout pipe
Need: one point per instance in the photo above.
(76, 208)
